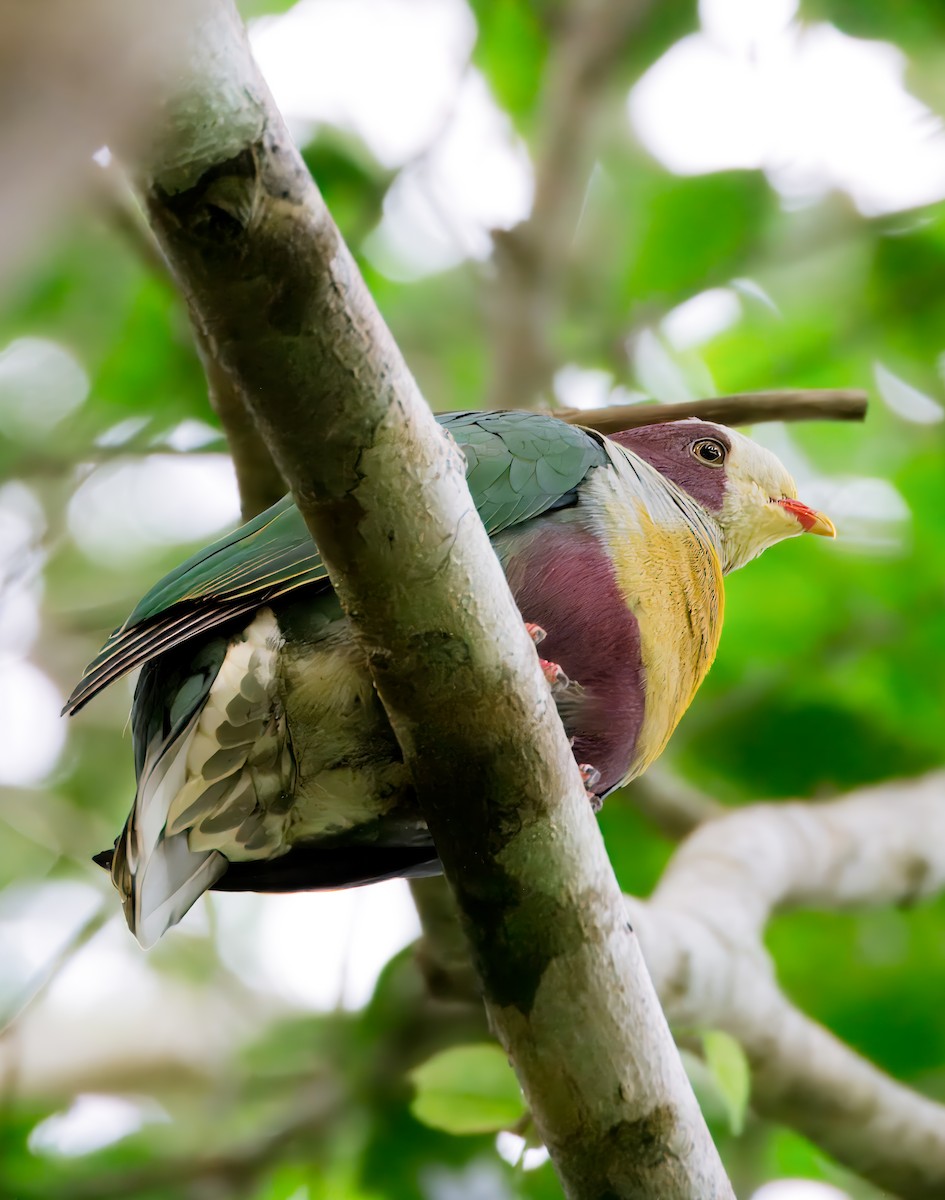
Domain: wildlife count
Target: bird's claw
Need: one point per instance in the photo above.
(557, 679)
(560, 683)
(589, 777)
(555, 676)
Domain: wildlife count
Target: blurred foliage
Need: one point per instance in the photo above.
(910, 23)
(728, 1065)
(467, 1089)
(829, 676)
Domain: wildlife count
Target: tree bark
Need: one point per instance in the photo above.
(383, 492)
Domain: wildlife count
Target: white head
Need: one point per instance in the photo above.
(744, 487)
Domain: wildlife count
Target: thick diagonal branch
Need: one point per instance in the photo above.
(383, 492)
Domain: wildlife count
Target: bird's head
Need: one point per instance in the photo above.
(744, 487)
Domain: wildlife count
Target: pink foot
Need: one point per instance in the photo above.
(551, 671)
(535, 632)
(555, 676)
(589, 776)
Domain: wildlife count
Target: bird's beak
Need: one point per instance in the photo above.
(811, 521)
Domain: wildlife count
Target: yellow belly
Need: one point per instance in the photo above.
(669, 572)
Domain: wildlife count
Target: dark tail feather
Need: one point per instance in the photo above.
(314, 868)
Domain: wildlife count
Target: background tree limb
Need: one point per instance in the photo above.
(532, 259)
(702, 933)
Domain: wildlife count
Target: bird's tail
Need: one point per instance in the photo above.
(157, 875)
(173, 877)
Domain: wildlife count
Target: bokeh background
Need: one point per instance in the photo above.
(764, 210)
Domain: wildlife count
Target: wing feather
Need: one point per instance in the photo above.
(519, 465)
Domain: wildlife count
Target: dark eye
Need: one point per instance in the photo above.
(708, 451)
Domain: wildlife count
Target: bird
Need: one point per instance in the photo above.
(263, 757)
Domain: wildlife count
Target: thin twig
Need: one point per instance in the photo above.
(742, 408)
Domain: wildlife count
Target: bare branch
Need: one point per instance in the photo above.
(190, 1041)
(443, 950)
(802, 1076)
(532, 259)
(881, 845)
(258, 478)
(384, 494)
(87, 70)
(228, 1172)
(40, 982)
(701, 933)
(744, 408)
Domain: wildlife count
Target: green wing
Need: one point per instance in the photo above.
(518, 465)
(274, 550)
(521, 464)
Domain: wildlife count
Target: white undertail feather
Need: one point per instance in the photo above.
(211, 789)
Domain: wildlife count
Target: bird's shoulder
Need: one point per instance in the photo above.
(521, 464)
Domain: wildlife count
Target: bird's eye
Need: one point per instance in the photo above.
(709, 451)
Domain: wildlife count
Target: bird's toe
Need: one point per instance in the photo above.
(590, 776)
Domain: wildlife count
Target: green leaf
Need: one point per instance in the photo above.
(511, 51)
(729, 1068)
(912, 25)
(468, 1089)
